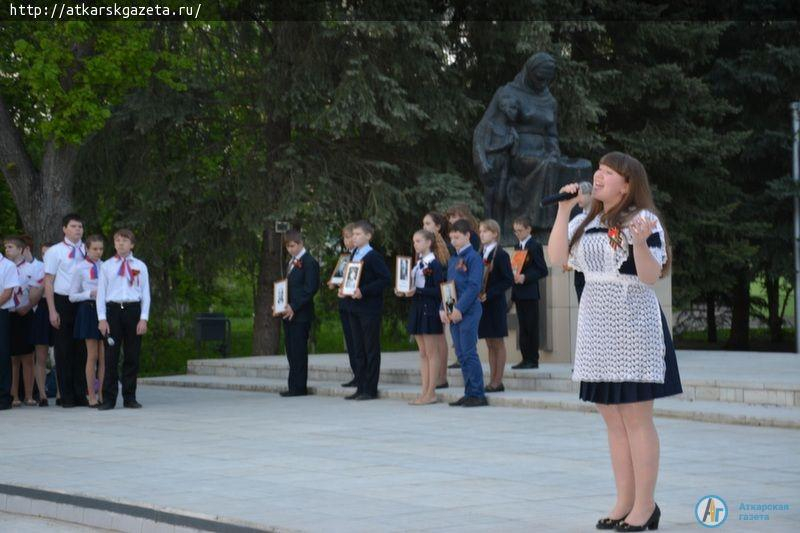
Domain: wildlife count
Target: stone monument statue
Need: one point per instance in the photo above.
(515, 150)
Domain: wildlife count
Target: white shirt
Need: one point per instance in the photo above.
(9, 279)
(84, 281)
(419, 273)
(58, 263)
(132, 286)
(25, 273)
(488, 249)
(295, 258)
(361, 252)
(524, 242)
(37, 275)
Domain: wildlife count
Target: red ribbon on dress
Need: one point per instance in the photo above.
(125, 269)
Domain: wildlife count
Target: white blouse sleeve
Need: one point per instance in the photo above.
(657, 240)
(572, 261)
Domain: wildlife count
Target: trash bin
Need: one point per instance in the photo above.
(212, 327)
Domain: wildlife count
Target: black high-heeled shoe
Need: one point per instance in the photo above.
(608, 523)
(652, 523)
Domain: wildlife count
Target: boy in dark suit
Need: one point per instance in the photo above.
(366, 312)
(303, 281)
(465, 269)
(525, 293)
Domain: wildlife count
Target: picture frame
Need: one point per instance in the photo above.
(449, 296)
(337, 276)
(402, 274)
(352, 277)
(280, 297)
(518, 261)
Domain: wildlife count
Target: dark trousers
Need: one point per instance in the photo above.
(580, 282)
(296, 340)
(348, 339)
(528, 315)
(70, 355)
(365, 330)
(5, 360)
(122, 320)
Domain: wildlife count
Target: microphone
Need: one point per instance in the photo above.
(555, 198)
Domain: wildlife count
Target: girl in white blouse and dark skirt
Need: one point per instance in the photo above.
(624, 356)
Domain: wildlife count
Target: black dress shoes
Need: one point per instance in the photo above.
(491, 388)
(474, 401)
(351, 383)
(291, 393)
(353, 396)
(455, 365)
(525, 365)
(132, 404)
(459, 402)
(105, 406)
(608, 523)
(443, 385)
(652, 523)
(364, 396)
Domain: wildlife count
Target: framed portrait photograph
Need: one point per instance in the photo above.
(518, 261)
(449, 297)
(402, 274)
(280, 297)
(337, 276)
(352, 277)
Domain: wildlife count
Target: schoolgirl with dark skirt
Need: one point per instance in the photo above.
(436, 223)
(83, 291)
(624, 356)
(493, 327)
(423, 318)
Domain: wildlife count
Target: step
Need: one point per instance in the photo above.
(704, 411)
(550, 377)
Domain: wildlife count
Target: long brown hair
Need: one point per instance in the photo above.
(463, 211)
(436, 250)
(442, 253)
(638, 197)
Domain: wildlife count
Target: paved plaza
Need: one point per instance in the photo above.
(322, 464)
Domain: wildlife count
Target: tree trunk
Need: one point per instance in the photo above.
(266, 328)
(711, 317)
(41, 197)
(740, 315)
(774, 319)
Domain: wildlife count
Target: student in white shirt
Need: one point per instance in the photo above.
(83, 292)
(41, 331)
(9, 280)
(19, 320)
(123, 309)
(59, 263)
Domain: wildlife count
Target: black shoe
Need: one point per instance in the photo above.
(459, 402)
(455, 365)
(58, 401)
(652, 523)
(105, 406)
(351, 383)
(353, 396)
(5, 406)
(443, 385)
(43, 402)
(524, 365)
(132, 404)
(499, 388)
(364, 396)
(67, 405)
(474, 401)
(291, 393)
(608, 523)
(82, 402)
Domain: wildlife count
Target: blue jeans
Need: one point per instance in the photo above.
(465, 339)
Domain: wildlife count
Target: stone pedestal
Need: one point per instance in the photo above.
(558, 316)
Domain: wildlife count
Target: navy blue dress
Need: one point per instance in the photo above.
(632, 391)
(494, 323)
(423, 318)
